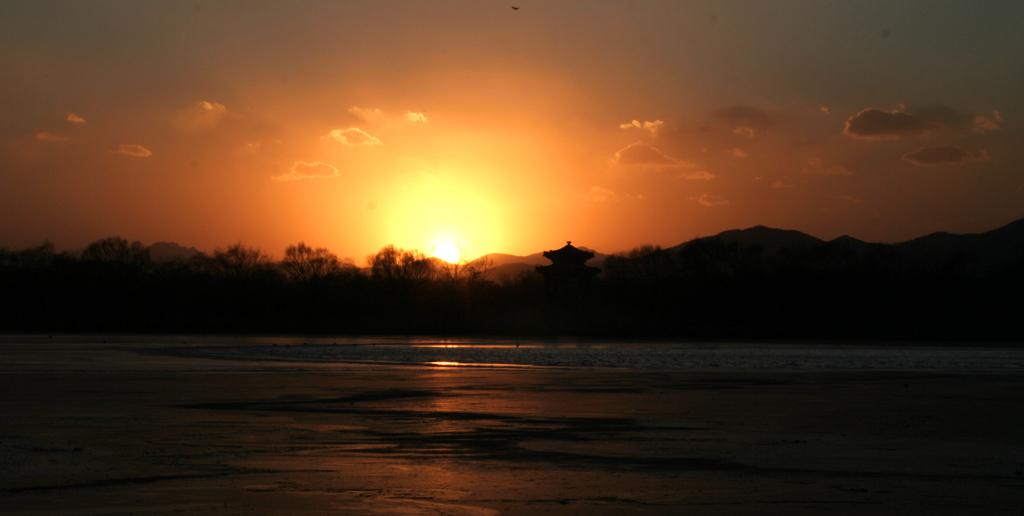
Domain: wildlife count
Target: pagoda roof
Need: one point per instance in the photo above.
(568, 254)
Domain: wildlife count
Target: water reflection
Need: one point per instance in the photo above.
(494, 353)
(637, 356)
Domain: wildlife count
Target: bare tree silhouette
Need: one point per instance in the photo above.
(307, 265)
(117, 250)
(398, 266)
(239, 261)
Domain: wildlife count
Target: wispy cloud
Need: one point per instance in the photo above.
(367, 114)
(600, 194)
(710, 200)
(982, 124)
(850, 199)
(745, 120)
(818, 167)
(133, 150)
(351, 136)
(640, 153)
(75, 118)
(654, 127)
(303, 170)
(699, 175)
(782, 183)
(46, 136)
(943, 155)
(738, 153)
(200, 116)
(414, 116)
(875, 124)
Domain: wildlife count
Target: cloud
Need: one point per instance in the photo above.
(943, 155)
(640, 153)
(825, 110)
(303, 170)
(746, 120)
(201, 116)
(413, 116)
(351, 136)
(46, 136)
(850, 199)
(700, 174)
(982, 124)
(133, 150)
(367, 114)
(874, 124)
(781, 183)
(599, 194)
(654, 127)
(738, 153)
(944, 116)
(816, 166)
(75, 118)
(710, 200)
(376, 115)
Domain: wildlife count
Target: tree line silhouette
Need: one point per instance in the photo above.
(707, 289)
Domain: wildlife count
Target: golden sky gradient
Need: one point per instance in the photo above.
(354, 125)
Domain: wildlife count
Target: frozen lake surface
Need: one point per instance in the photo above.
(295, 425)
(697, 356)
(688, 357)
(550, 354)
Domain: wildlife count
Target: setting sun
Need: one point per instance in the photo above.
(447, 252)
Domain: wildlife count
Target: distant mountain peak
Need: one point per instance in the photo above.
(1002, 245)
(163, 251)
(847, 239)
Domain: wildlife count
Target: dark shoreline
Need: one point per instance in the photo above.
(708, 289)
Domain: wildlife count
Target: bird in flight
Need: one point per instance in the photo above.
(514, 8)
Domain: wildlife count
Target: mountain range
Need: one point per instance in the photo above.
(164, 251)
(993, 248)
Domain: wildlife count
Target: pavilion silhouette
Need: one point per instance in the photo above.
(568, 277)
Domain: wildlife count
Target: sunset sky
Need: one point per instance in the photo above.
(356, 124)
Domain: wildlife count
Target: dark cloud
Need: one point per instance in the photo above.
(943, 155)
(873, 124)
(746, 119)
(940, 115)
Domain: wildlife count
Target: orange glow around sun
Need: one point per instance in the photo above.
(427, 208)
(447, 252)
